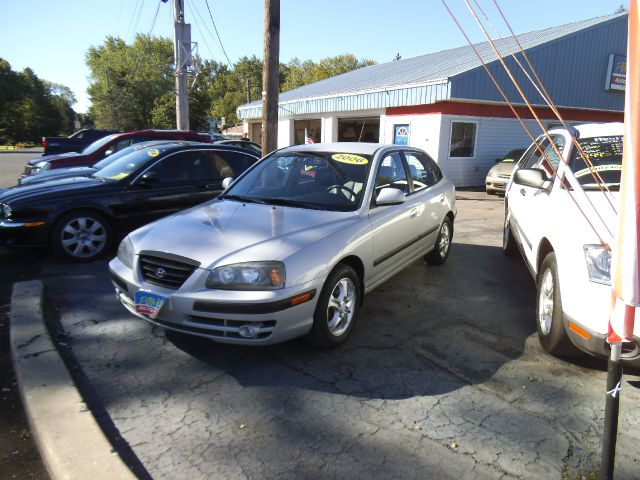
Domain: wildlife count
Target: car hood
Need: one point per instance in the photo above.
(226, 231)
(57, 156)
(45, 189)
(503, 168)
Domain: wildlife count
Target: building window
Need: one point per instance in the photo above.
(306, 131)
(359, 130)
(463, 140)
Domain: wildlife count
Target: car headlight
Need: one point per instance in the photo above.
(598, 263)
(41, 167)
(5, 210)
(126, 252)
(248, 276)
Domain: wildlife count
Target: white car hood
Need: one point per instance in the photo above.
(226, 231)
(599, 213)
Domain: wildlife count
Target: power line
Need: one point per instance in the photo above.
(204, 38)
(217, 34)
(155, 16)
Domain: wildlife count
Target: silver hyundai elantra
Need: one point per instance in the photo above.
(291, 246)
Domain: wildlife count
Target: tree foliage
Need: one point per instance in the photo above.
(31, 108)
(299, 73)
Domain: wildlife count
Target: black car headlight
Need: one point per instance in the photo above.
(598, 261)
(248, 276)
(5, 210)
(126, 252)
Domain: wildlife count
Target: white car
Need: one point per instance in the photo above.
(291, 247)
(569, 261)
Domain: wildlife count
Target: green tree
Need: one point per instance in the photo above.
(300, 73)
(128, 80)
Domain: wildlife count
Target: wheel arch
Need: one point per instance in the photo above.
(356, 263)
(544, 249)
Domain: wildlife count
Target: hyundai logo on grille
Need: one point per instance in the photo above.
(161, 272)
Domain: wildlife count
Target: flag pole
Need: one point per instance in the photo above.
(610, 435)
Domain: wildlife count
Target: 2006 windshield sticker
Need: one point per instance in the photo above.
(599, 168)
(350, 158)
(153, 152)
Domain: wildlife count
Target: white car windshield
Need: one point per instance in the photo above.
(316, 180)
(605, 155)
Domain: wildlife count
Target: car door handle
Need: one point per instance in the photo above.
(413, 212)
(523, 191)
(441, 198)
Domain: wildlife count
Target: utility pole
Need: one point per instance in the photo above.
(270, 74)
(182, 56)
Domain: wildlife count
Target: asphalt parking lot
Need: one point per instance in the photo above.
(442, 378)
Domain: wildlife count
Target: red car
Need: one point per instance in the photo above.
(106, 146)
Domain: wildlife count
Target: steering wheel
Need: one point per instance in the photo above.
(342, 187)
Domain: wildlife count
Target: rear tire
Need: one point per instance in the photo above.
(81, 236)
(440, 251)
(337, 308)
(551, 332)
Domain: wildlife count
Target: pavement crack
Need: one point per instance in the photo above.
(30, 341)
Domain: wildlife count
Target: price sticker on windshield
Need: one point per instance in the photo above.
(350, 158)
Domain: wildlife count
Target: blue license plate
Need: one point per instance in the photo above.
(148, 303)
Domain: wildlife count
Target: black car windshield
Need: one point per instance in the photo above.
(316, 180)
(126, 165)
(98, 144)
(605, 155)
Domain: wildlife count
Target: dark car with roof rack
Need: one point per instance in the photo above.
(80, 217)
(106, 146)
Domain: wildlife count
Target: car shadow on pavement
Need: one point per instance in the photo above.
(427, 331)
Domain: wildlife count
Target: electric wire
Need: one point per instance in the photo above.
(197, 15)
(475, 50)
(218, 35)
(568, 174)
(155, 17)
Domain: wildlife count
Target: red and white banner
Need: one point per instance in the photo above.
(624, 267)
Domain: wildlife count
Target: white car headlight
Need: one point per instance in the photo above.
(247, 276)
(41, 167)
(598, 263)
(126, 252)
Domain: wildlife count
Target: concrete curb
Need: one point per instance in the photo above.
(71, 443)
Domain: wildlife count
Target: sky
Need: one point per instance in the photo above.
(52, 37)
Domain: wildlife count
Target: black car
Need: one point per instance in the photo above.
(80, 217)
(60, 173)
(246, 144)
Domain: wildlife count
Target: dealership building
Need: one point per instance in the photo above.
(446, 104)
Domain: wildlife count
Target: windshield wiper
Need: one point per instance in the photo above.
(241, 198)
(290, 203)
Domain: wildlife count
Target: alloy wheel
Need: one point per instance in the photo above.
(83, 237)
(341, 306)
(445, 240)
(545, 302)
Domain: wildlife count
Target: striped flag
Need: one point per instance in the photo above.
(625, 268)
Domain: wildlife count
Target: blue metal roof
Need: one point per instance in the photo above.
(450, 74)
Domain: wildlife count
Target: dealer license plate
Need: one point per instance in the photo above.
(149, 303)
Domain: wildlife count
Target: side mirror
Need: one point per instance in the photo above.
(390, 196)
(148, 179)
(226, 182)
(532, 177)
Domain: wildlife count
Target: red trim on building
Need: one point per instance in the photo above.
(503, 111)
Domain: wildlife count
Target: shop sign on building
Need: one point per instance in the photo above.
(401, 135)
(616, 73)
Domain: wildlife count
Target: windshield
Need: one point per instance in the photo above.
(319, 180)
(512, 157)
(98, 144)
(605, 154)
(124, 166)
(126, 151)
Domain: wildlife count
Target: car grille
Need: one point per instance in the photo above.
(224, 328)
(166, 272)
(504, 175)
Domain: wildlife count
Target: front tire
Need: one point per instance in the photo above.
(551, 332)
(440, 252)
(81, 236)
(337, 308)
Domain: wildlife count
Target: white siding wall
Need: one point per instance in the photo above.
(285, 132)
(424, 131)
(494, 138)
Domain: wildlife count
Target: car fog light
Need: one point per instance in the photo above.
(247, 331)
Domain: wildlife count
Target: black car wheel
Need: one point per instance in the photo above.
(81, 236)
(337, 308)
(440, 252)
(551, 332)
